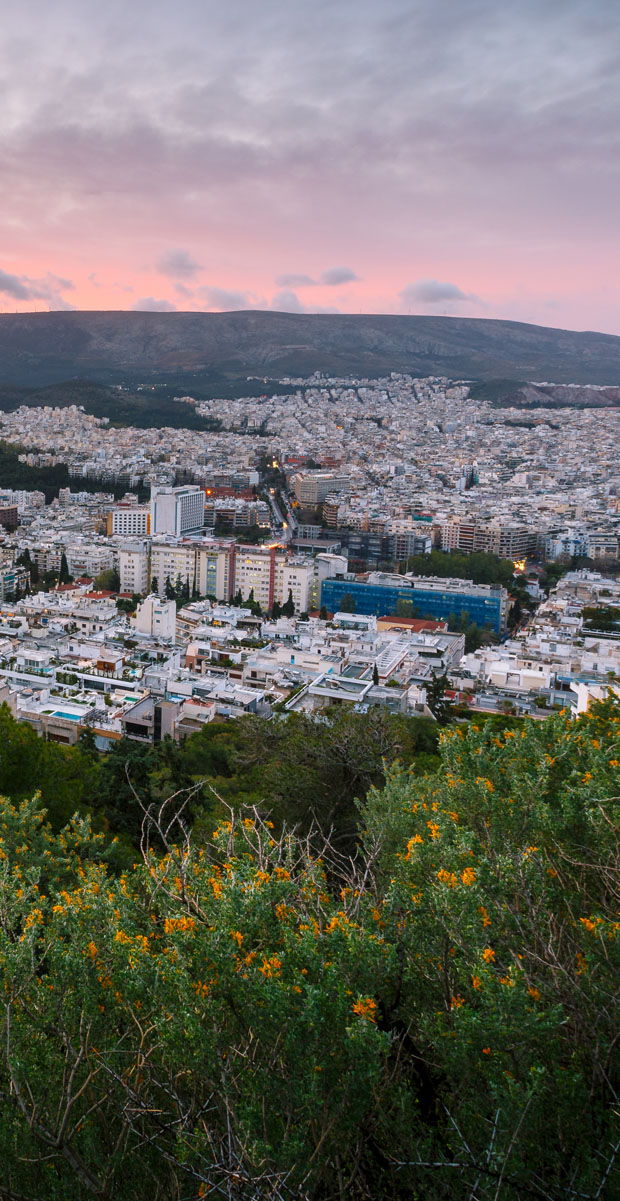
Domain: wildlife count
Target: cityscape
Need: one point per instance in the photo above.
(309, 601)
(280, 575)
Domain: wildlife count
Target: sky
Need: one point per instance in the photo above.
(456, 157)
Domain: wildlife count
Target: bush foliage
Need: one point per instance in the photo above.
(249, 1011)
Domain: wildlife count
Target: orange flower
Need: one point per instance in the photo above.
(486, 921)
(488, 954)
(486, 1050)
(238, 936)
(92, 950)
(365, 1008)
(533, 992)
(434, 829)
(468, 876)
(476, 982)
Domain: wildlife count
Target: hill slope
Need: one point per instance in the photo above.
(40, 348)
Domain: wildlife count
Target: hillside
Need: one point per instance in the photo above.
(43, 348)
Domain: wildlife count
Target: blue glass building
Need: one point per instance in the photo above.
(443, 600)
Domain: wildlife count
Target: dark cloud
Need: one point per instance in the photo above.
(338, 275)
(178, 264)
(295, 281)
(149, 304)
(432, 291)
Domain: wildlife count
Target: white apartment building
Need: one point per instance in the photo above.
(215, 566)
(311, 488)
(270, 574)
(177, 510)
(171, 562)
(89, 559)
(131, 521)
(133, 567)
(156, 617)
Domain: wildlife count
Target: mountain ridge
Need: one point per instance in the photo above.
(42, 348)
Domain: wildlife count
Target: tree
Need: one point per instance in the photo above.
(375, 674)
(107, 581)
(154, 584)
(436, 698)
(323, 613)
(169, 592)
(64, 576)
(288, 608)
(275, 610)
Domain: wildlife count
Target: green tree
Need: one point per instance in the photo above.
(436, 698)
(288, 608)
(107, 581)
(64, 576)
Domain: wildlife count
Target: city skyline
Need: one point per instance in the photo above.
(414, 158)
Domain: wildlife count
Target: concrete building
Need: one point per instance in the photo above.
(156, 617)
(270, 574)
(134, 567)
(177, 511)
(312, 487)
(131, 521)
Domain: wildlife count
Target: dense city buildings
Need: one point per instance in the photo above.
(284, 559)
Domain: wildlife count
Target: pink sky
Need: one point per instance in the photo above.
(421, 156)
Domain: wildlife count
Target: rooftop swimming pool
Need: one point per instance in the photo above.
(68, 716)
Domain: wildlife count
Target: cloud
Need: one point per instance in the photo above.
(181, 290)
(149, 304)
(223, 300)
(432, 291)
(338, 275)
(21, 287)
(295, 281)
(289, 302)
(12, 285)
(178, 264)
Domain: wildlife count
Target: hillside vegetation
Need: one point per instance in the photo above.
(44, 348)
(253, 1013)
